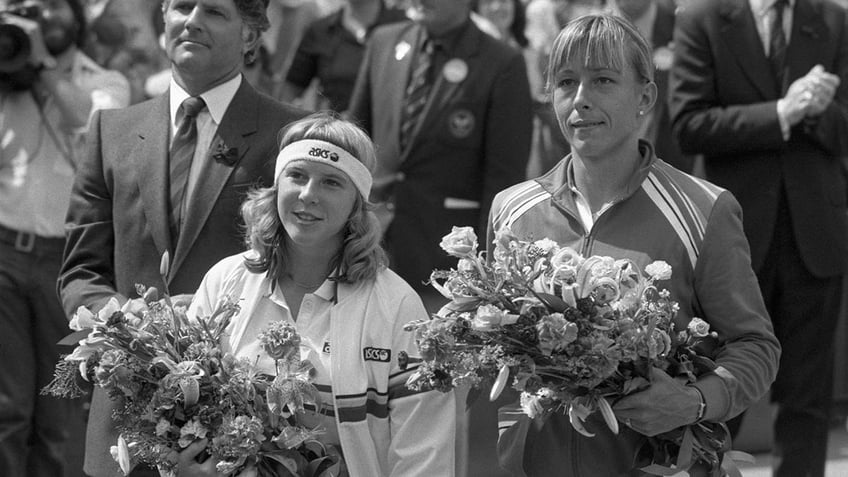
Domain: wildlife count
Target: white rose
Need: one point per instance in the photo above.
(461, 242)
(698, 328)
(659, 270)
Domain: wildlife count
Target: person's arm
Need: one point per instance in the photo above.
(729, 294)
(86, 277)
(508, 134)
(304, 67)
(359, 108)
(701, 121)
(828, 128)
(423, 423)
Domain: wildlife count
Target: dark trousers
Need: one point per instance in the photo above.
(35, 430)
(804, 310)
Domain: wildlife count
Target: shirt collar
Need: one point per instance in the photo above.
(327, 290)
(447, 41)
(761, 7)
(647, 153)
(217, 99)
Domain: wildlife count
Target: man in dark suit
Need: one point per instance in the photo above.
(655, 21)
(759, 88)
(440, 164)
(131, 202)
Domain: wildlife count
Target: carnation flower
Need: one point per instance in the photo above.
(281, 341)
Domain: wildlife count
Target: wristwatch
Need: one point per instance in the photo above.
(702, 407)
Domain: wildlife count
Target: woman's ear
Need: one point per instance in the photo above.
(648, 96)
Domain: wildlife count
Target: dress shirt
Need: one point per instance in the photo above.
(217, 101)
(36, 173)
(763, 16)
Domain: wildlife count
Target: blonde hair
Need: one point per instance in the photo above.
(601, 40)
(361, 255)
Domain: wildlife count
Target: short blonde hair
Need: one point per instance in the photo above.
(601, 40)
(361, 255)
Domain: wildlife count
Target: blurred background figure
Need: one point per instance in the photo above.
(759, 88)
(124, 36)
(448, 107)
(48, 90)
(655, 21)
(331, 52)
(509, 23)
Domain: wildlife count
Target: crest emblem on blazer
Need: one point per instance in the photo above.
(461, 123)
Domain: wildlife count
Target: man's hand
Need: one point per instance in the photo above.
(809, 95)
(664, 405)
(822, 88)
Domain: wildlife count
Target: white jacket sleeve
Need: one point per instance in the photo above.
(423, 424)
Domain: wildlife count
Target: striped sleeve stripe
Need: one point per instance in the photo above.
(326, 408)
(507, 417)
(695, 214)
(356, 407)
(663, 198)
(528, 204)
(516, 203)
(360, 413)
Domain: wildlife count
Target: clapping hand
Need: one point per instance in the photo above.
(664, 405)
(809, 95)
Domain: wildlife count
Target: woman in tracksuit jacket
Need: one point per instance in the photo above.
(612, 196)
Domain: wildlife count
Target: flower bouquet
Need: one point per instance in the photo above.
(173, 385)
(572, 334)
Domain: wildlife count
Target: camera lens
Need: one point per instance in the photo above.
(14, 48)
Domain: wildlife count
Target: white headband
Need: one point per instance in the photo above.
(326, 153)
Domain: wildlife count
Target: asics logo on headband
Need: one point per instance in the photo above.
(323, 153)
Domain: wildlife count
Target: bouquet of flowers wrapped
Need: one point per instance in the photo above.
(570, 333)
(174, 385)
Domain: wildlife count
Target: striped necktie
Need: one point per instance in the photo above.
(181, 155)
(417, 92)
(777, 41)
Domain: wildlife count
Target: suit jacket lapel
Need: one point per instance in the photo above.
(805, 40)
(238, 123)
(151, 153)
(443, 90)
(412, 37)
(740, 34)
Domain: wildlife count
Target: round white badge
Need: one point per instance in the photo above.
(455, 70)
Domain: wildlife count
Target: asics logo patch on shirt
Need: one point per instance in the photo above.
(377, 354)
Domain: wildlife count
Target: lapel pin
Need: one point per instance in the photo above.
(401, 49)
(455, 70)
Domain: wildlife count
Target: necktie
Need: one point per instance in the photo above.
(181, 154)
(417, 92)
(777, 41)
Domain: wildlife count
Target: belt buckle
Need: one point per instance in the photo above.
(24, 242)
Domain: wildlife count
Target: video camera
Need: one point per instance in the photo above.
(15, 47)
